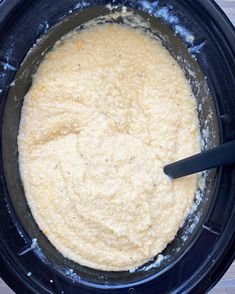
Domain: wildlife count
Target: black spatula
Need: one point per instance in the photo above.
(219, 156)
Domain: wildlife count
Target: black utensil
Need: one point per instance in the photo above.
(219, 156)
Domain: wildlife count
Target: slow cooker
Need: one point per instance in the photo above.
(202, 40)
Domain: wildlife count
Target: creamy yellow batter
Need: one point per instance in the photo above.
(108, 108)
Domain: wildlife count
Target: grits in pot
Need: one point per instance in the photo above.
(108, 108)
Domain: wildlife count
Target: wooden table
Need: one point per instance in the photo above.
(227, 283)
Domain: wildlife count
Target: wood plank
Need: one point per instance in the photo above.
(229, 8)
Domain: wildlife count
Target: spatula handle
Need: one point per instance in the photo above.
(219, 156)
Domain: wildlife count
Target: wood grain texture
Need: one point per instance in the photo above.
(227, 283)
(229, 8)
